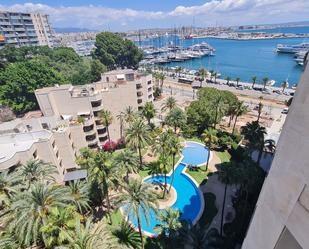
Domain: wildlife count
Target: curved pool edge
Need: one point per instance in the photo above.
(201, 195)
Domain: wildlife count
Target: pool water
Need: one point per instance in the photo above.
(190, 201)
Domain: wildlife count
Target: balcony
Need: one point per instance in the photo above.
(139, 86)
(90, 138)
(95, 97)
(139, 94)
(97, 108)
(101, 131)
(88, 122)
(90, 133)
(93, 144)
(100, 126)
(139, 101)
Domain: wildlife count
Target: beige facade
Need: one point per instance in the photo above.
(54, 141)
(43, 29)
(281, 218)
(116, 91)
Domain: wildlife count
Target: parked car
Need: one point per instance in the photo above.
(285, 111)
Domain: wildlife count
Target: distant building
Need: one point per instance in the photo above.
(25, 29)
(281, 217)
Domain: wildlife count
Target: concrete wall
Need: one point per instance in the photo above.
(284, 199)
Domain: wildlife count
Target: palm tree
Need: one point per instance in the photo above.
(178, 70)
(138, 136)
(210, 139)
(215, 75)
(174, 149)
(106, 119)
(80, 193)
(89, 236)
(220, 107)
(225, 175)
(228, 80)
(284, 85)
(127, 162)
(149, 111)
(161, 78)
(254, 78)
(237, 81)
(9, 186)
(203, 74)
(241, 109)
(37, 170)
(126, 236)
(161, 147)
(254, 134)
(120, 117)
(129, 115)
(260, 108)
(59, 221)
(169, 104)
(137, 199)
(265, 80)
(156, 76)
(176, 118)
(30, 209)
(169, 225)
(103, 174)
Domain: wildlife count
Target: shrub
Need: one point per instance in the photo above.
(109, 146)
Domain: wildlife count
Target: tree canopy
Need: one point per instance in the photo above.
(114, 51)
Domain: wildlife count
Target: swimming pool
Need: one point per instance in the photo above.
(190, 201)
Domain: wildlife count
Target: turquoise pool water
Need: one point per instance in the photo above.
(190, 201)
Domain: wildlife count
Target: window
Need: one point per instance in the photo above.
(107, 79)
(45, 126)
(35, 154)
(57, 154)
(53, 144)
(70, 136)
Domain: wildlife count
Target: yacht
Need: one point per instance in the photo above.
(271, 83)
(292, 48)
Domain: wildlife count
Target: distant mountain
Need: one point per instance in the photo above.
(72, 30)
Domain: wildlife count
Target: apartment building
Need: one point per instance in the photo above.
(116, 91)
(281, 218)
(43, 29)
(25, 29)
(50, 139)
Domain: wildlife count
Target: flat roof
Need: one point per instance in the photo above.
(19, 142)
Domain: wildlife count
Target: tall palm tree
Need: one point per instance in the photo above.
(254, 134)
(129, 115)
(215, 75)
(176, 118)
(89, 236)
(149, 111)
(106, 118)
(237, 81)
(203, 74)
(228, 79)
(260, 108)
(103, 174)
(161, 78)
(126, 236)
(138, 136)
(162, 148)
(137, 199)
(127, 162)
(220, 108)
(80, 193)
(120, 117)
(210, 139)
(169, 104)
(241, 109)
(9, 186)
(169, 225)
(226, 176)
(284, 85)
(254, 78)
(175, 148)
(30, 209)
(265, 80)
(37, 170)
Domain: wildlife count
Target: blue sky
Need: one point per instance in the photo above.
(122, 15)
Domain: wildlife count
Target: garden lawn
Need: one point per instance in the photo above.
(199, 175)
(224, 156)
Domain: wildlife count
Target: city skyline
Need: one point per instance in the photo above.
(122, 16)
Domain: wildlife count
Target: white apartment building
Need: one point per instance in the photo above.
(116, 91)
(25, 29)
(281, 218)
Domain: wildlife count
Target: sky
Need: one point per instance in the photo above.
(123, 15)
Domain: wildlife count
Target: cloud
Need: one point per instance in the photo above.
(223, 12)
